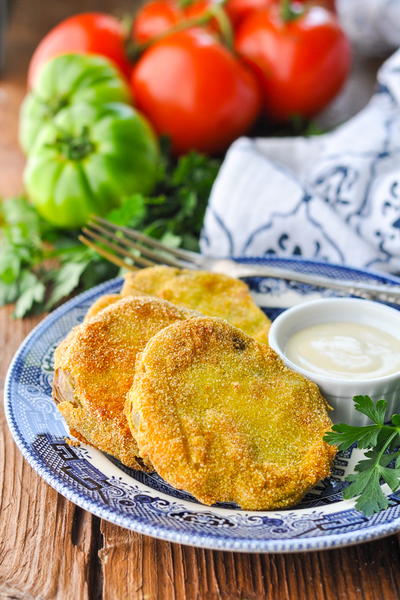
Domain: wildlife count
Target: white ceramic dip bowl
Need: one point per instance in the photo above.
(339, 392)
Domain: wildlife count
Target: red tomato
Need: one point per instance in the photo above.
(197, 9)
(155, 18)
(89, 33)
(158, 16)
(239, 9)
(195, 91)
(301, 64)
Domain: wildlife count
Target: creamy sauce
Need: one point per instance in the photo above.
(345, 350)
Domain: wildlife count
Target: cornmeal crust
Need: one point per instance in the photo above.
(222, 417)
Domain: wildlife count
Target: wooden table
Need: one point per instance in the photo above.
(50, 548)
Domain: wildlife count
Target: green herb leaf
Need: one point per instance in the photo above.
(372, 499)
(376, 412)
(345, 436)
(359, 482)
(66, 279)
(391, 476)
(131, 212)
(396, 420)
(171, 240)
(8, 292)
(10, 264)
(31, 291)
(381, 462)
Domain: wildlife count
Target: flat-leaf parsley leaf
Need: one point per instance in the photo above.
(382, 461)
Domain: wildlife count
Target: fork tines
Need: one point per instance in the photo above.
(131, 249)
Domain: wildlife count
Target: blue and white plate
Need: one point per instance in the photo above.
(146, 503)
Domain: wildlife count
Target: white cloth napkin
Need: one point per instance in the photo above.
(333, 197)
(373, 26)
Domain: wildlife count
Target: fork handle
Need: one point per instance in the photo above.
(371, 291)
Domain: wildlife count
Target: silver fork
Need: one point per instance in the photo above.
(131, 249)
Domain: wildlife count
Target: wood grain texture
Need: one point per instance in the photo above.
(51, 549)
(157, 570)
(39, 556)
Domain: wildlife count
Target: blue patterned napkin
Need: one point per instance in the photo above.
(334, 197)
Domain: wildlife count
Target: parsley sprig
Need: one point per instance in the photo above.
(382, 460)
(41, 265)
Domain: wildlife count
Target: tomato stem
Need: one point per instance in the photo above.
(224, 23)
(215, 12)
(137, 49)
(185, 3)
(73, 147)
(290, 12)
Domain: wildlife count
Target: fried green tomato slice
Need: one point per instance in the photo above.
(223, 418)
(211, 294)
(94, 368)
(101, 303)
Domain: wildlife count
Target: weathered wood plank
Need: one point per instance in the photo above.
(140, 568)
(39, 557)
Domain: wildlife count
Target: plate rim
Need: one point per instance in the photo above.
(165, 532)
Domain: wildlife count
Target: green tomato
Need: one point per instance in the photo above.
(65, 80)
(88, 159)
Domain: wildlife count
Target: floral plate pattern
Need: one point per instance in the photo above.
(144, 502)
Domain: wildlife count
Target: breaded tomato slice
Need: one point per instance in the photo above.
(101, 303)
(94, 368)
(211, 294)
(222, 417)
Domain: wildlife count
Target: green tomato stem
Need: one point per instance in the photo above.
(215, 12)
(185, 3)
(224, 24)
(73, 148)
(288, 12)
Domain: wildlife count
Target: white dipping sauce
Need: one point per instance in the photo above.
(345, 350)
